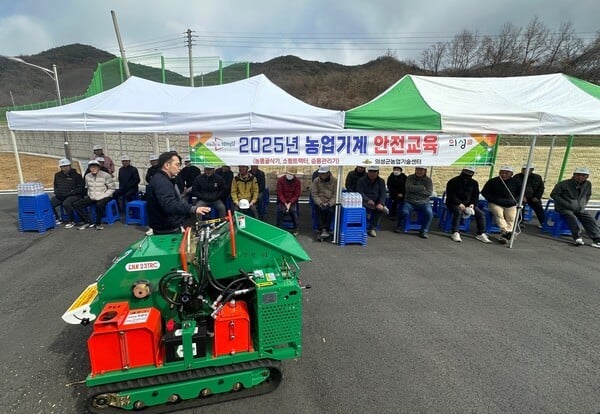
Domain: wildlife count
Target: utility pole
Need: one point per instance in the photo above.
(189, 45)
(121, 49)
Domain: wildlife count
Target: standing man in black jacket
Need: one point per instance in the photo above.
(68, 188)
(208, 188)
(166, 211)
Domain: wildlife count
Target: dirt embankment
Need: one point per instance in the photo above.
(38, 169)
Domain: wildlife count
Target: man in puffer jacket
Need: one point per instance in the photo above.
(100, 186)
(245, 187)
(570, 200)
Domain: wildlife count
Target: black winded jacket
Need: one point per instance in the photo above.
(69, 184)
(495, 191)
(129, 178)
(462, 189)
(535, 185)
(371, 190)
(208, 188)
(166, 211)
(396, 184)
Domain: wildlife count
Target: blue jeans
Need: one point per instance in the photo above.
(425, 209)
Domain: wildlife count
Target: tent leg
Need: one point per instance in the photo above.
(17, 159)
(522, 194)
(338, 205)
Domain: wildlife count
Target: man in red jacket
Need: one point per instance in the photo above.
(288, 193)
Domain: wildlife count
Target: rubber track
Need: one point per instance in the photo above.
(268, 385)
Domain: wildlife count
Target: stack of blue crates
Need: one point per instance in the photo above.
(35, 213)
(353, 227)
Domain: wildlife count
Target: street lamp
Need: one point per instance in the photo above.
(53, 74)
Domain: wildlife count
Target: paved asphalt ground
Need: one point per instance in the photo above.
(402, 325)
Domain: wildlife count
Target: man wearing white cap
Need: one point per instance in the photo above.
(68, 188)
(534, 190)
(324, 195)
(153, 169)
(462, 196)
(129, 180)
(372, 189)
(570, 200)
(208, 189)
(419, 189)
(353, 176)
(502, 193)
(100, 189)
(108, 162)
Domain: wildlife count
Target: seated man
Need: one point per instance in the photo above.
(324, 194)
(352, 178)
(100, 187)
(462, 193)
(129, 180)
(288, 193)
(208, 188)
(68, 188)
(501, 193)
(570, 200)
(419, 189)
(396, 184)
(245, 187)
(534, 190)
(261, 179)
(372, 189)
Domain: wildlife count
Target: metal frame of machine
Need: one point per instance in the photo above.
(184, 320)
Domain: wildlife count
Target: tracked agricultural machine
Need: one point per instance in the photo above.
(184, 320)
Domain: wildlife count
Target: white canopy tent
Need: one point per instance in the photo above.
(553, 104)
(139, 105)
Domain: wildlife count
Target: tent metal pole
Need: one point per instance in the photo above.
(338, 205)
(496, 146)
(565, 158)
(17, 159)
(549, 158)
(155, 144)
(522, 193)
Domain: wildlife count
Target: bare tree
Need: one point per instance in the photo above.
(563, 45)
(462, 51)
(431, 58)
(533, 42)
(502, 49)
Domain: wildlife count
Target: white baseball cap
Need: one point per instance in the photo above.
(96, 147)
(373, 168)
(506, 168)
(582, 170)
(63, 162)
(244, 204)
(100, 159)
(323, 169)
(153, 157)
(125, 158)
(469, 168)
(93, 162)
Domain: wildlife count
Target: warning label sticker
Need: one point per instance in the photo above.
(137, 316)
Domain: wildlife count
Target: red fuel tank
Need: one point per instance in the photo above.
(124, 338)
(232, 329)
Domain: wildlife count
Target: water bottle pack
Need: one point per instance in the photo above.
(30, 189)
(351, 200)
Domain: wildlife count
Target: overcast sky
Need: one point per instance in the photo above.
(349, 32)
